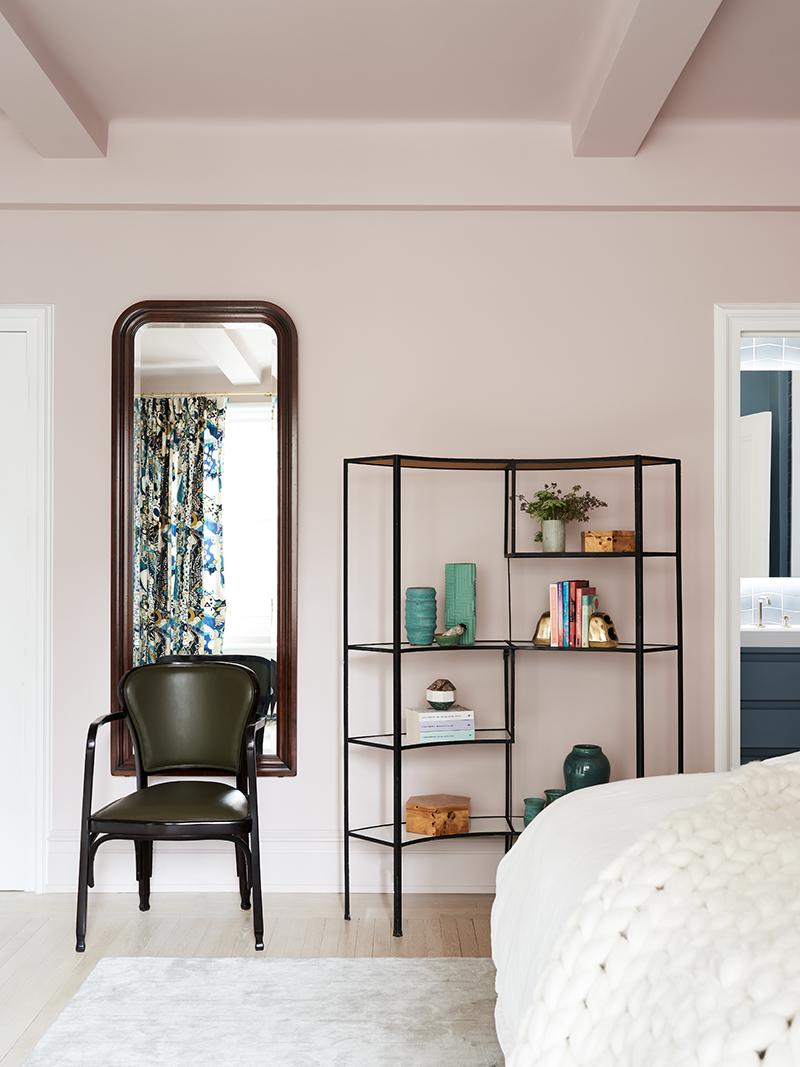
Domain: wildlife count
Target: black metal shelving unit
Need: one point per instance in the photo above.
(505, 825)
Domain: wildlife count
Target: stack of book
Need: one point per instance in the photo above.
(425, 726)
(571, 606)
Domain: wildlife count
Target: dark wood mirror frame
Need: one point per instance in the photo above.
(284, 761)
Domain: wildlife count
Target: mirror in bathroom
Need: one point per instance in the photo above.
(770, 461)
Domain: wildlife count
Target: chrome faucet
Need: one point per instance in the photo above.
(762, 600)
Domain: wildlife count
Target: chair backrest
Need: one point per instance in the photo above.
(266, 670)
(190, 717)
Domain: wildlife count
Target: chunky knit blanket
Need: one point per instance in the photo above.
(687, 949)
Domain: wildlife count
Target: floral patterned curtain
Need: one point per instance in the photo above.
(179, 586)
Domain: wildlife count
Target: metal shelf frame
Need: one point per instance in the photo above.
(505, 825)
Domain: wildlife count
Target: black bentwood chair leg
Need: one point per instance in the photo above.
(83, 890)
(144, 864)
(85, 867)
(255, 851)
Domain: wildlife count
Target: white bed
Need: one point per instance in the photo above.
(559, 856)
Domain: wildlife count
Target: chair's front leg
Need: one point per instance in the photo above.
(86, 835)
(83, 887)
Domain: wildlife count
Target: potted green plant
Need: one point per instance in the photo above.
(554, 508)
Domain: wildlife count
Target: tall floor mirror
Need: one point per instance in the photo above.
(204, 460)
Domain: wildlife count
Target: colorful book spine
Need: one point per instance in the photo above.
(553, 615)
(565, 614)
(575, 594)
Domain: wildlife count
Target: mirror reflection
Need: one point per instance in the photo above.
(770, 464)
(205, 455)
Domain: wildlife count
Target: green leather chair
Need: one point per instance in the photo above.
(184, 718)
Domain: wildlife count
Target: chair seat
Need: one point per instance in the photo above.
(178, 802)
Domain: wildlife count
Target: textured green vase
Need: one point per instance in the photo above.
(552, 795)
(420, 614)
(586, 765)
(459, 598)
(533, 805)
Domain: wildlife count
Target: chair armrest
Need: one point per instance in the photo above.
(88, 765)
(113, 716)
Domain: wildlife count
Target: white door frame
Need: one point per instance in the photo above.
(730, 322)
(37, 321)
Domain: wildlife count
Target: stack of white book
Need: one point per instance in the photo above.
(426, 726)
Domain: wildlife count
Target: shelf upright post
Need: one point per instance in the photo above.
(513, 507)
(639, 613)
(679, 609)
(397, 700)
(509, 694)
(345, 694)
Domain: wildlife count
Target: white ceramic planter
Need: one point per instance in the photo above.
(554, 534)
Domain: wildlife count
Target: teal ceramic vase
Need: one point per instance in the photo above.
(586, 765)
(553, 795)
(420, 614)
(533, 805)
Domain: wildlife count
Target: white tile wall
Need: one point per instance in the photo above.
(784, 595)
(770, 353)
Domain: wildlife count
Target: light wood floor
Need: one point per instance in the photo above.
(40, 970)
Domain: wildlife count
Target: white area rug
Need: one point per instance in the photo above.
(144, 1012)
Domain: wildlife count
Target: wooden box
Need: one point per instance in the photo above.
(608, 541)
(437, 815)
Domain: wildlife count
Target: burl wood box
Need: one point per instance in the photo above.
(437, 815)
(608, 541)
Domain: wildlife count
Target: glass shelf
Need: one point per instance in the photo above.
(625, 646)
(479, 826)
(482, 737)
(387, 646)
(500, 645)
(462, 463)
(587, 555)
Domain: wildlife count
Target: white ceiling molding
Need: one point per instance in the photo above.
(642, 60)
(221, 347)
(39, 98)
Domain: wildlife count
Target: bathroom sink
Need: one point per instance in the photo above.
(769, 636)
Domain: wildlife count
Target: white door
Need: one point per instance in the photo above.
(24, 642)
(755, 457)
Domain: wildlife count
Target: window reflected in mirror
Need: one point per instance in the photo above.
(205, 494)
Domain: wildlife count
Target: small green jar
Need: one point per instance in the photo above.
(533, 805)
(586, 765)
(552, 795)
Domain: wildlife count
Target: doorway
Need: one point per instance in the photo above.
(25, 623)
(756, 496)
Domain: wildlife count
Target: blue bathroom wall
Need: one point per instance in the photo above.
(771, 390)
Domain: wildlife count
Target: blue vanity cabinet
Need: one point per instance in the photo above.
(770, 702)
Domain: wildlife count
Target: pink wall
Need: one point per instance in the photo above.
(424, 332)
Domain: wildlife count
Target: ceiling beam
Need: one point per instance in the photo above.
(220, 346)
(644, 55)
(41, 100)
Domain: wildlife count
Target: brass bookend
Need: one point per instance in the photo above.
(541, 635)
(602, 634)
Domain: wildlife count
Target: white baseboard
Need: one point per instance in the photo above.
(307, 861)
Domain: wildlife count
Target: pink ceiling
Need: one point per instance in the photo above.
(308, 59)
(745, 67)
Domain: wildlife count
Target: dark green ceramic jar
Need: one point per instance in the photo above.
(586, 765)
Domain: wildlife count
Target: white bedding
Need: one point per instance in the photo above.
(544, 876)
(556, 860)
